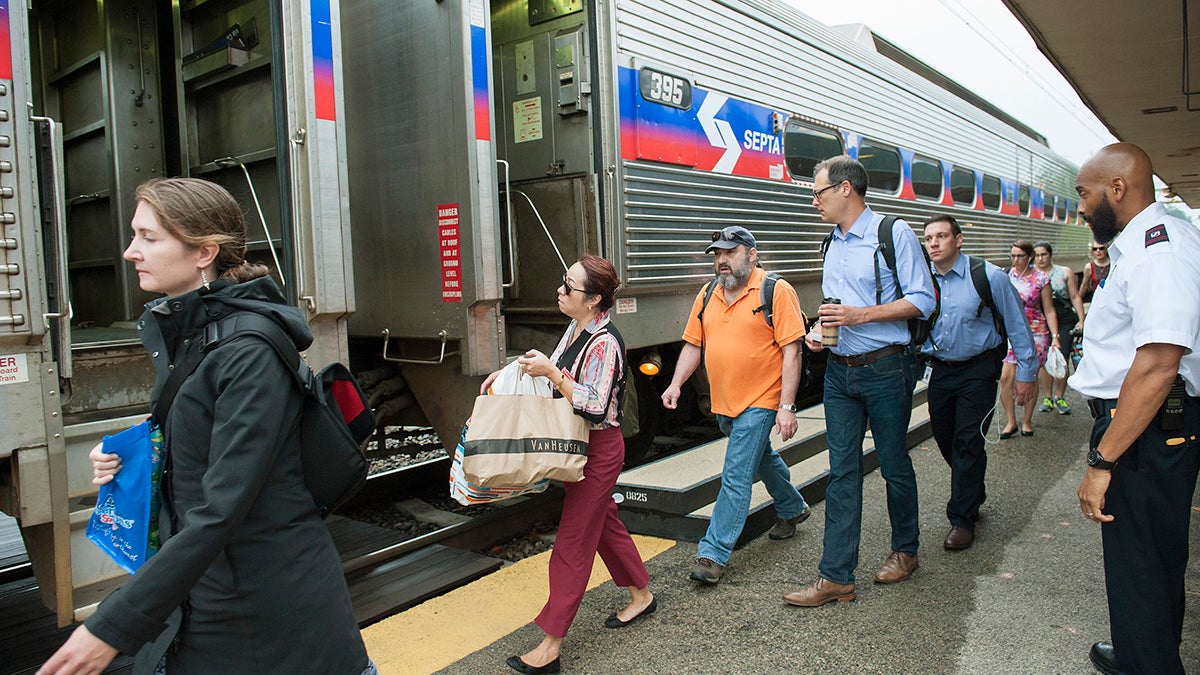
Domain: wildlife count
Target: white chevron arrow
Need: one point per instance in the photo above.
(719, 133)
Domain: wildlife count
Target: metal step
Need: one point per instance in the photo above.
(674, 496)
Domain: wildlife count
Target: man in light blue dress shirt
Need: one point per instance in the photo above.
(871, 375)
(966, 349)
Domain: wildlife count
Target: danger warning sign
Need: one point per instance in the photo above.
(447, 223)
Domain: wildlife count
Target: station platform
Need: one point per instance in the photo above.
(1028, 597)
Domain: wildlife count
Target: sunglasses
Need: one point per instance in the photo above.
(1099, 248)
(570, 289)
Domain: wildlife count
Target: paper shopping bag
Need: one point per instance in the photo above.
(518, 439)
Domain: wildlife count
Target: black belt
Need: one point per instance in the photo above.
(858, 360)
(1101, 407)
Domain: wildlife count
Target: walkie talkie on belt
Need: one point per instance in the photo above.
(1170, 416)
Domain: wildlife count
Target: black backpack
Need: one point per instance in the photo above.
(918, 328)
(335, 421)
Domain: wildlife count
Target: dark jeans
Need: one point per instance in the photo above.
(1146, 544)
(881, 392)
(961, 400)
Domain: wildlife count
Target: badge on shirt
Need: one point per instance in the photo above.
(1156, 234)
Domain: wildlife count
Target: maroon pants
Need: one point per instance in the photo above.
(590, 525)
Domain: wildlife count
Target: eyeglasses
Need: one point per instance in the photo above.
(1018, 256)
(1099, 248)
(1041, 255)
(570, 289)
(817, 193)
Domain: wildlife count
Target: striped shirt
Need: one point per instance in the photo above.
(594, 392)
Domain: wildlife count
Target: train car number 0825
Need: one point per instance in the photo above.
(665, 89)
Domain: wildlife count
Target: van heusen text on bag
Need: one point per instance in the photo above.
(517, 439)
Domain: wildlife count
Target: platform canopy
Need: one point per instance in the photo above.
(1129, 62)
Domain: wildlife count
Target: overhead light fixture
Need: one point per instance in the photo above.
(651, 364)
(1160, 109)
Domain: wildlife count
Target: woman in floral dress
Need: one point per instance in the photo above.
(1034, 288)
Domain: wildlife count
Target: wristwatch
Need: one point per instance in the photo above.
(1094, 459)
(790, 407)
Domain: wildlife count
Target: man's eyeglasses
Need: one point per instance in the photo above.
(817, 193)
(570, 289)
(727, 235)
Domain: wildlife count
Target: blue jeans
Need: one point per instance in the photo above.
(882, 392)
(747, 452)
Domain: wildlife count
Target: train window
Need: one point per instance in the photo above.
(927, 177)
(804, 146)
(1048, 201)
(962, 186)
(882, 165)
(991, 193)
(1061, 210)
(1023, 199)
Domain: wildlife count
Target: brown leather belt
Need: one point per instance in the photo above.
(859, 360)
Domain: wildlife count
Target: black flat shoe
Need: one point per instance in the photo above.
(1005, 435)
(1026, 434)
(613, 622)
(520, 666)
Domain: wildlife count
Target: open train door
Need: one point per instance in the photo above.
(242, 92)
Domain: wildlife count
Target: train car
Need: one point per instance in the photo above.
(420, 173)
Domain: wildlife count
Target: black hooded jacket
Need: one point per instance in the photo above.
(248, 557)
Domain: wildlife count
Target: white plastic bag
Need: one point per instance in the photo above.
(1056, 365)
(512, 381)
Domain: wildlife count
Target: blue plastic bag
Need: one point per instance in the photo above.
(121, 522)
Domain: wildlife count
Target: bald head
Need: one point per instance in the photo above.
(1114, 185)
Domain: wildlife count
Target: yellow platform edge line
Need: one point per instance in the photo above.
(440, 631)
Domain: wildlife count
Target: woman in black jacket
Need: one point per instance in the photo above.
(247, 579)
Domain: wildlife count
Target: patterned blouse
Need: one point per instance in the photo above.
(1029, 287)
(594, 374)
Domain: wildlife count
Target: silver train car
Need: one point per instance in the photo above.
(418, 173)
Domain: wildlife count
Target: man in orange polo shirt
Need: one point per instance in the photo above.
(753, 372)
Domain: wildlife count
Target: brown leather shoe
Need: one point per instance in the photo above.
(898, 567)
(958, 539)
(821, 592)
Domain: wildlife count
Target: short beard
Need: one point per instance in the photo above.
(737, 277)
(1103, 222)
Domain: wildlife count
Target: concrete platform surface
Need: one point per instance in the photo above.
(1028, 597)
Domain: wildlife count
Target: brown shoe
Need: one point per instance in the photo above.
(898, 567)
(958, 539)
(821, 592)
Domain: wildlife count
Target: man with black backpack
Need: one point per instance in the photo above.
(979, 312)
(874, 265)
(746, 324)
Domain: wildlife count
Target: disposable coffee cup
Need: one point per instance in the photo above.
(829, 334)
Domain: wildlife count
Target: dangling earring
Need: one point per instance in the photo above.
(204, 280)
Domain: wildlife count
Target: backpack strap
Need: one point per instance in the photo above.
(221, 331)
(257, 325)
(983, 286)
(766, 298)
(708, 291)
(887, 248)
